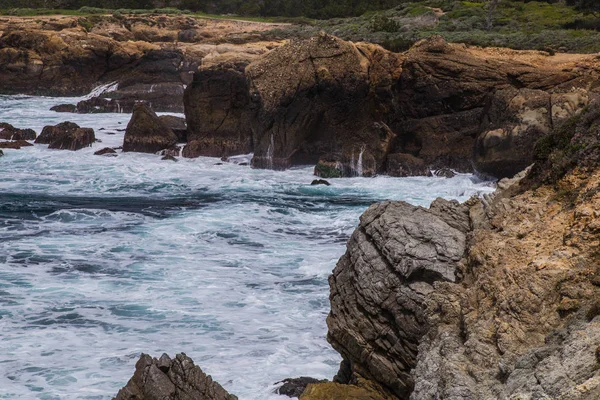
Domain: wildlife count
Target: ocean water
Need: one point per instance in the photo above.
(102, 258)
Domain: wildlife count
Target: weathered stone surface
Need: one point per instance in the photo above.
(324, 96)
(378, 287)
(219, 114)
(336, 391)
(107, 151)
(9, 132)
(65, 108)
(168, 378)
(146, 133)
(66, 136)
(177, 124)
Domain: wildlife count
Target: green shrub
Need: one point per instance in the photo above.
(381, 23)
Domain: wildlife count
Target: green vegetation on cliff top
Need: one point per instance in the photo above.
(550, 26)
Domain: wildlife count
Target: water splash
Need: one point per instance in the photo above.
(270, 152)
(109, 87)
(359, 163)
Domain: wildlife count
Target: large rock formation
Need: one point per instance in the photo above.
(146, 133)
(66, 136)
(357, 109)
(498, 298)
(167, 378)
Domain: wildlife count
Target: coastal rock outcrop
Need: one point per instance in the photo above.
(177, 124)
(494, 298)
(219, 114)
(166, 378)
(146, 133)
(9, 132)
(66, 136)
(15, 144)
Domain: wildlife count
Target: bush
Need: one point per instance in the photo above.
(381, 23)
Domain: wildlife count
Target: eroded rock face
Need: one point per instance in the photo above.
(378, 288)
(66, 136)
(177, 124)
(146, 133)
(9, 132)
(219, 113)
(167, 378)
(324, 96)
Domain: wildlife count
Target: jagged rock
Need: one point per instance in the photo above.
(393, 260)
(168, 378)
(66, 136)
(320, 182)
(107, 151)
(402, 165)
(9, 132)
(177, 125)
(294, 387)
(15, 144)
(146, 133)
(219, 114)
(65, 108)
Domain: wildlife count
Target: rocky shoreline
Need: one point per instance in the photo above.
(494, 298)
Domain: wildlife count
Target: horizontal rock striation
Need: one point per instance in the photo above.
(167, 378)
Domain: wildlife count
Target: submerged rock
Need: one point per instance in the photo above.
(15, 144)
(107, 151)
(146, 133)
(320, 182)
(64, 108)
(169, 157)
(9, 132)
(167, 378)
(445, 173)
(66, 136)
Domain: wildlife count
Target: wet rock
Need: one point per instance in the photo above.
(15, 144)
(320, 182)
(9, 132)
(294, 387)
(169, 157)
(65, 108)
(402, 165)
(146, 133)
(107, 151)
(445, 173)
(66, 136)
(177, 125)
(167, 378)
(1, 153)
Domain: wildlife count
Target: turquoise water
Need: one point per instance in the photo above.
(103, 258)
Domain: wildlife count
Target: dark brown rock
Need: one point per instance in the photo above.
(107, 151)
(15, 144)
(445, 173)
(320, 182)
(66, 136)
(168, 378)
(65, 108)
(169, 157)
(219, 114)
(9, 132)
(146, 133)
(294, 387)
(402, 165)
(177, 125)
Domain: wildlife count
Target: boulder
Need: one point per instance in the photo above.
(9, 132)
(402, 165)
(177, 125)
(167, 378)
(393, 260)
(15, 144)
(220, 117)
(445, 173)
(146, 133)
(66, 136)
(320, 182)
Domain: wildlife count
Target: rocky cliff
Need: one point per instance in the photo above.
(495, 298)
(357, 109)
